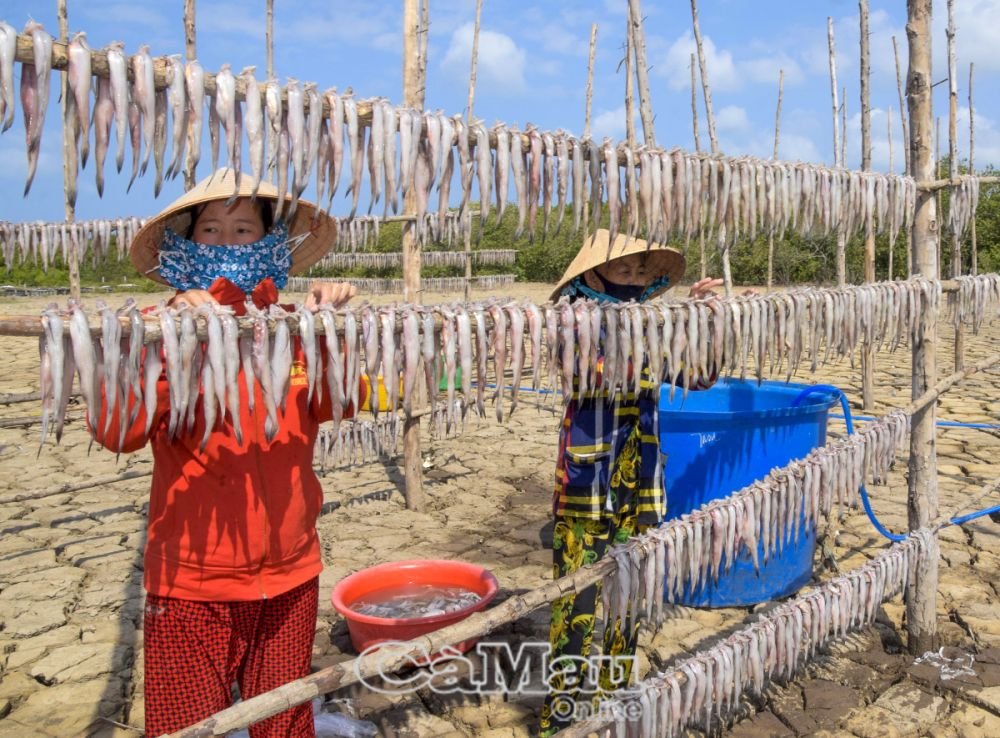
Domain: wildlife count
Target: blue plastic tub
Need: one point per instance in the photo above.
(718, 441)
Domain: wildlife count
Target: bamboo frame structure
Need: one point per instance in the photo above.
(638, 39)
(867, 352)
(69, 132)
(956, 238)
(777, 139)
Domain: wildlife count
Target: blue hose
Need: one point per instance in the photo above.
(836, 391)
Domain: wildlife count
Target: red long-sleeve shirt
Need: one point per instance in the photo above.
(235, 521)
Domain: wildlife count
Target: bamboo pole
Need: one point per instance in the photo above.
(70, 133)
(472, 93)
(586, 114)
(629, 83)
(932, 185)
(414, 64)
(638, 38)
(703, 69)
(843, 127)
(933, 393)
(841, 236)
(777, 138)
(907, 165)
(974, 267)
(956, 237)
(190, 54)
(922, 503)
(867, 350)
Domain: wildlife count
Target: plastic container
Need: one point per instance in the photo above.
(368, 630)
(718, 441)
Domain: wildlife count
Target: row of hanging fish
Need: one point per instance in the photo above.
(663, 194)
(358, 441)
(44, 243)
(755, 523)
(707, 686)
(679, 342)
(394, 259)
(376, 286)
(362, 231)
(976, 294)
(962, 204)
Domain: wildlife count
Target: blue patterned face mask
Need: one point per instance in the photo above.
(187, 265)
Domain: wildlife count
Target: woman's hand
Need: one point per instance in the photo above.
(704, 287)
(192, 299)
(334, 294)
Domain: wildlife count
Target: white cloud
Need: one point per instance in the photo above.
(732, 118)
(676, 67)
(501, 64)
(609, 123)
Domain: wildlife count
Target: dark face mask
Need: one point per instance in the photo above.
(623, 292)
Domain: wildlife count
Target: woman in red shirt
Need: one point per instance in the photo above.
(232, 556)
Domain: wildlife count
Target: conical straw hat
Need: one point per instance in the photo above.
(145, 248)
(663, 260)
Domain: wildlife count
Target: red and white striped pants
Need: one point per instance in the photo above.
(194, 651)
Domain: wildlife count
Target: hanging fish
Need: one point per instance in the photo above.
(80, 77)
(35, 94)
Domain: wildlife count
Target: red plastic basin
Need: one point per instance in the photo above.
(368, 630)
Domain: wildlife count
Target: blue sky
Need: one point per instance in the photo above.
(532, 68)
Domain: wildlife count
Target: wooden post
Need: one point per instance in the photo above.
(472, 94)
(705, 88)
(974, 267)
(777, 131)
(69, 134)
(413, 97)
(629, 85)
(843, 127)
(907, 166)
(837, 162)
(269, 39)
(638, 38)
(190, 54)
(867, 350)
(922, 503)
(586, 114)
(956, 237)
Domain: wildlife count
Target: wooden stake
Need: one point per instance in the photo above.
(694, 109)
(907, 166)
(638, 38)
(70, 168)
(888, 119)
(414, 62)
(190, 54)
(702, 68)
(841, 237)
(956, 237)
(972, 170)
(269, 39)
(629, 83)
(922, 504)
(843, 128)
(586, 113)
(472, 93)
(777, 134)
(867, 350)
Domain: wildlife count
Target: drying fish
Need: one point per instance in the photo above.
(8, 52)
(177, 104)
(254, 125)
(194, 84)
(143, 94)
(79, 76)
(35, 94)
